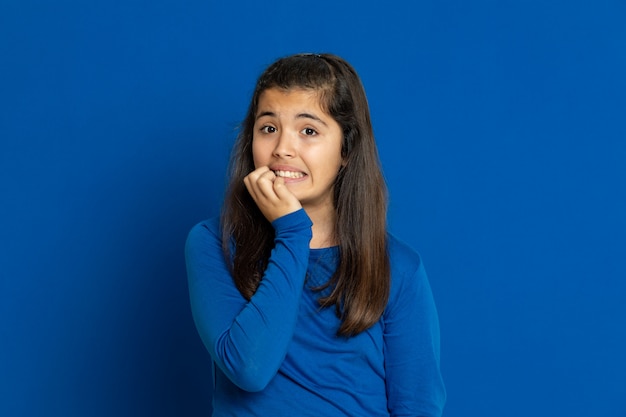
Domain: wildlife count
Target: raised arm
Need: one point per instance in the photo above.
(248, 340)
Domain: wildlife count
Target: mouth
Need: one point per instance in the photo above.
(289, 174)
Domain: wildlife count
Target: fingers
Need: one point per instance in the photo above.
(281, 189)
(265, 184)
(260, 184)
(270, 193)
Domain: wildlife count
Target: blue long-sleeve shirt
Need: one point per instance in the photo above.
(278, 354)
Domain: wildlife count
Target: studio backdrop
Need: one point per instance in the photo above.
(501, 128)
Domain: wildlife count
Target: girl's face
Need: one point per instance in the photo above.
(300, 142)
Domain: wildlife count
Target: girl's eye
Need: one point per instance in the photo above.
(268, 129)
(309, 132)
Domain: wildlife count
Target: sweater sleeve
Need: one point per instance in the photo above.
(411, 340)
(248, 340)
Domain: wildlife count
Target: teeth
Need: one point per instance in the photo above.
(289, 174)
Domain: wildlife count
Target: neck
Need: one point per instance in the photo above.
(323, 227)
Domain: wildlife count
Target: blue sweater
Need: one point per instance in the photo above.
(278, 354)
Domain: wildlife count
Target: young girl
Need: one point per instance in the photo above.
(306, 304)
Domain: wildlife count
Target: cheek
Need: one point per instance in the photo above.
(334, 158)
(258, 155)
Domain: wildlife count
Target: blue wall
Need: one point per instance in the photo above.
(502, 129)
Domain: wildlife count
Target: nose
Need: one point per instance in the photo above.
(285, 145)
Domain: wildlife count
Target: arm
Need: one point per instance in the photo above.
(413, 378)
(248, 340)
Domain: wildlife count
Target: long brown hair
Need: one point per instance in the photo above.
(359, 288)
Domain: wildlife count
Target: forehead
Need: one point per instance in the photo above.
(295, 99)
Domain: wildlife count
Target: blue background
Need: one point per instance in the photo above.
(501, 127)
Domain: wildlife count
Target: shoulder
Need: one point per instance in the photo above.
(408, 276)
(206, 233)
(208, 226)
(204, 254)
(404, 259)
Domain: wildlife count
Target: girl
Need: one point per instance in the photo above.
(306, 304)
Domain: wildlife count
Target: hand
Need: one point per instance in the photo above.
(270, 193)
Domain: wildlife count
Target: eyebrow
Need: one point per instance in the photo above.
(298, 116)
